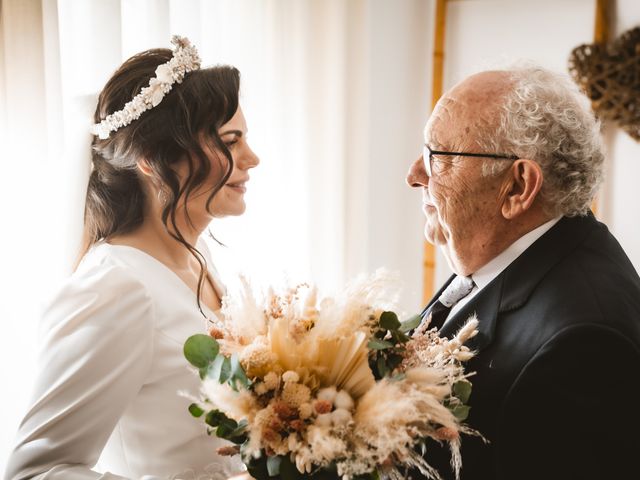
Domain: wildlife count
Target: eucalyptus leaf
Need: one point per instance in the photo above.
(239, 435)
(377, 344)
(220, 369)
(200, 350)
(399, 337)
(237, 373)
(216, 418)
(273, 465)
(195, 410)
(462, 390)
(389, 320)
(410, 324)
(461, 412)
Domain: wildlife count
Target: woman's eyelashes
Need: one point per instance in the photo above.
(231, 143)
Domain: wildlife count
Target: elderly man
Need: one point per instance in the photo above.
(511, 163)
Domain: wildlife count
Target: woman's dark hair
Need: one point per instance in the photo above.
(169, 133)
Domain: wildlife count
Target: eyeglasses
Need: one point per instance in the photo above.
(428, 153)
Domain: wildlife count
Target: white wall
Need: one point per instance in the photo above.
(401, 42)
(619, 207)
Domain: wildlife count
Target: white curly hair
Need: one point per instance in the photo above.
(545, 118)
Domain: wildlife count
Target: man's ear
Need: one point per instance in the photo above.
(144, 167)
(521, 187)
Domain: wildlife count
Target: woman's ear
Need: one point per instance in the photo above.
(521, 187)
(144, 168)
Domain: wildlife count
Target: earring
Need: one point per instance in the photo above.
(162, 198)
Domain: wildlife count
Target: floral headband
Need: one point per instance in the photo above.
(185, 59)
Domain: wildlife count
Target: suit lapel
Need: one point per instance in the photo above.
(486, 306)
(511, 288)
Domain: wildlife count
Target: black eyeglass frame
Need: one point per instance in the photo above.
(427, 152)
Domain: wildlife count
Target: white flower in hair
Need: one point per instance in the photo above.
(185, 59)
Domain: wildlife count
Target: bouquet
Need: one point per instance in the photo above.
(330, 387)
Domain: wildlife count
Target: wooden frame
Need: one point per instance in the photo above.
(429, 255)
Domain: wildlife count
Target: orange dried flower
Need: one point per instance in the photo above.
(444, 433)
(284, 411)
(322, 406)
(216, 333)
(296, 425)
(228, 450)
(276, 424)
(271, 435)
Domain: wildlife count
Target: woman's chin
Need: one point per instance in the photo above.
(234, 210)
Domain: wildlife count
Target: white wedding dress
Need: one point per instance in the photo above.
(110, 371)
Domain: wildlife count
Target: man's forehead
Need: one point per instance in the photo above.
(444, 112)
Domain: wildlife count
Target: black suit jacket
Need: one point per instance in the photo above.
(557, 384)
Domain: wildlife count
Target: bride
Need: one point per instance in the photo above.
(169, 154)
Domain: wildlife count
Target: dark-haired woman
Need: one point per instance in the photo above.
(169, 154)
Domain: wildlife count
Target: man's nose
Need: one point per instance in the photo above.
(417, 176)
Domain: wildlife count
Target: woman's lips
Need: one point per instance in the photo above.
(239, 187)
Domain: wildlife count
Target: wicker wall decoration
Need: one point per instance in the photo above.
(610, 76)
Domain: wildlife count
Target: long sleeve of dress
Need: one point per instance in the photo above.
(96, 351)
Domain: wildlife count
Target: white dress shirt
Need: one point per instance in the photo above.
(110, 371)
(484, 275)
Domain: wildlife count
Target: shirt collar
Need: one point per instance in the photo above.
(484, 275)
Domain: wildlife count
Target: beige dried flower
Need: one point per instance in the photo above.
(271, 381)
(295, 394)
(290, 377)
(260, 388)
(305, 411)
(257, 359)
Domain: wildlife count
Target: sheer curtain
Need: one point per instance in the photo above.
(335, 95)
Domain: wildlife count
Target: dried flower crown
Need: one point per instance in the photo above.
(185, 59)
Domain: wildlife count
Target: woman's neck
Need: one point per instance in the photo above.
(153, 238)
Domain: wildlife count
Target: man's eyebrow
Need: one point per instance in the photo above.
(235, 132)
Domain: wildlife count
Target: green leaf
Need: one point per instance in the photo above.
(393, 360)
(273, 465)
(410, 324)
(389, 320)
(224, 425)
(461, 412)
(239, 435)
(195, 410)
(200, 350)
(237, 373)
(377, 344)
(399, 337)
(462, 390)
(220, 369)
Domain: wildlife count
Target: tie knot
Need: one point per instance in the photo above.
(456, 290)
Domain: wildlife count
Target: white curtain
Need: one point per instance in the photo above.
(335, 94)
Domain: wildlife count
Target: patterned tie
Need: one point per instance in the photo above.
(459, 288)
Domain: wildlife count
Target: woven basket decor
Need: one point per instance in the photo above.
(609, 74)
